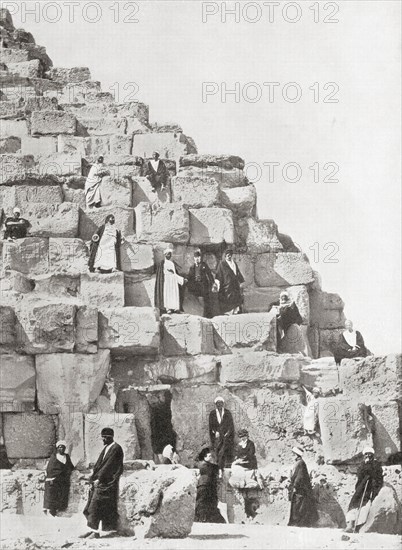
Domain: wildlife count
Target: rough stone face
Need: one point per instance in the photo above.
(26, 69)
(386, 431)
(227, 162)
(247, 330)
(125, 434)
(17, 392)
(257, 299)
(169, 145)
(116, 191)
(20, 195)
(282, 269)
(385, 513)
(67, 76)
(29, 255)
(142, 192)
(90, 220)
(139, 291)
(299, 294)
(326, 310)
(16, 282)
(168, 370)
(258, 236)
(322, 373)
(136, 257)
(189, 335)
(45, 327)
(121, 145)
(102, 290)
(71, 429)
(159, 502)
(225, 178)
(70, 381)
(57, 285)
(86, 333)
(29, 435)
(53, 220)
(259, 367)
(195, 192)
(10, 145)
(53, 123)
(168, 223)
(241, 200)
(14, 168)
(211, 226)
(60, 164)
(328, 340)
(345, 429)
(7, 325)
(129, 330)
(68, 256)
(13, 128)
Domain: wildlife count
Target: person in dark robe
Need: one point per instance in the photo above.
(303, 508)
(201, 282)
(57, 482)
(245, 451)
(104, 251)
(16, 227)
(368, 485)
(229, 280)
(104, 492)
(221, 433)
(157, 173)
(350, 344)
(169, 285)
(206, 504)
(288, 320)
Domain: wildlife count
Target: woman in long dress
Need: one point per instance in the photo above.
(57, 483)
(303, 509)
(104, 255)
(206, 504)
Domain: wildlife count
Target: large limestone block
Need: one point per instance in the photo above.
(139, 291)
(247, 330)
(299, 294)
(322, 373)
(14, 56)
(77, 91)
(328, 340)
(74, 379)
(142, 192)
(241, 200)
(226, 162)
(385, 513)
(116, 191)
(326, 310)
(45, 327)
(259, 367)
(91, 219)
(6, 20)
(15, 168)
(345, 429)
(13, 281)
(258, 299)
(195, 192)
(245, 263)
(102, 290)
(69, 75)
(10, 145)
(13, 128)
(86, 333)
(29, 435)
(20, 195)
(29, 255)
(225, 178)
(282, 269)
(17, 392)
(387, 437)
(53, 123)
(189, 335)
(136, 257)
(103, 126)
(125, 434)
(60, 164)
(121, 144)
(74, 192)
(68, 256)
(53, 220)
(133, 330)
(43, 145)
(258, 236)
(8, 332)
(211, 226)
(169, 145)
(71, 430)
(26, 69)
(158, 503)
(169, 370)
(168, 222)
(59, 285)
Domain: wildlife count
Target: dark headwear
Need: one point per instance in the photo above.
(228, 251)
(108, 217)
(242, 433)
(204, 453)
(107, 431)
(197, 253)
(100, 159)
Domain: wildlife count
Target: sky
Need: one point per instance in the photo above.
(315, 90)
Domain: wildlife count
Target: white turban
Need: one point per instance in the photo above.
(167, 250)
(368, 450)
(17, 210)
(61, 442)
(219, 398)
(298, 451)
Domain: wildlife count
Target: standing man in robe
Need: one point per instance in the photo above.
(303, 509)
(368, 485)
(221, 433)
(16, 227)
(104, 492)
(310, 418)
(229, 281)
(92, 185)
(350, 344)
(169, 285)
(157, 173)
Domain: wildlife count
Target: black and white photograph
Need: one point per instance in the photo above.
(200, 275)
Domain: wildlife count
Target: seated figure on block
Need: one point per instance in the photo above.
(350, 344)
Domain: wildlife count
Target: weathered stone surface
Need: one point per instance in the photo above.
(247, 330)
(189, 335)
(13, 128)
(282, 269)
(136, 257)
(20, 195)
(13, 281)
(56, 285)
(6, 20)
(70, 381)
(53, 220)
(68, 256)
(53, 123)
(116, 191)
(29, 255)
(105, 126)
(7, 324)
(45, 327)
(129, 330)
(169, 223)
(168, 370)
(158, 503)
(195, 192)
(241, 200)
(211, 226)
(226, 162)
(326, 310)
(387, 438)
(139, 290)
(258, 236)
(29, 435)
(385, 515)
(345, 429)
(90, 220)
(75, 74)
(86, 333)
(72, 193)
(169, 145)
(121, 145)
(322, 373)
(102, 290)
(14, 168)
(17, 392)
(10, 145)
(225, 178)
(328, 340)
(299, 294)
(60, 164)
(125, 434)
(142, 192)
(259, 367)
(258, 299)
(26, 69)
(71, 429)
(77, 92)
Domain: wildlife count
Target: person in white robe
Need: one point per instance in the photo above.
(104, 254)
(93, 197)
(168, 296)
(310, 417)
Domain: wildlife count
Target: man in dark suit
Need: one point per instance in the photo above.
(200, 282)
(221, 433)
(156, 172)
(104, 492)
